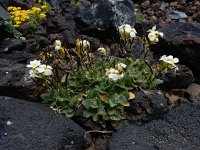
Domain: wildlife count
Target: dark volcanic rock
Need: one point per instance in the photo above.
(4, 15)
(10, 44)
(179, 130)
(181, 79)
(183, 41)
(15, 80)
(24, 4)
(147, 105)
(34, 126)
(103, 16)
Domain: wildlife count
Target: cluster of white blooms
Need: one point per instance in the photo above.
(57, 45)
(116, 74)
(170, 60)
(127, 32)
(82, 46)
(39, 70)
(154, 35)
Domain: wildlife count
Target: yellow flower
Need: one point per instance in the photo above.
(18, 22)
(16, 25)
(37, 1)
(44, 7)
(36, 10)
(42, 15)
(10, 8)
(16, 19)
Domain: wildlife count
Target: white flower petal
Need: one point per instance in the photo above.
(57, 47)
(57, 43)
(176, 60)
(163, 57)
(154, 28)
(161, 34)
(115, 77)
(132, 34)
(40, 70)
(48, 72)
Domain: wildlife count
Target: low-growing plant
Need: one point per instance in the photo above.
(103, 86)
(103, 90)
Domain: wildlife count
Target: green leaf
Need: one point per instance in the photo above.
(95, 117)
(86, 114)
(94, 103)
(158, 81)
(9, 28)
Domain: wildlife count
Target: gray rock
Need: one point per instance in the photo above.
(103, 16)
(147, 105)
(10, 44)
(176, 15)
(183, 41)
(33, 126)
(194, 91)
(4, 15)
(179, 130)
(15, 80)
(181, 79)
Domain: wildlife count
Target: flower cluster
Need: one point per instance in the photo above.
(58, 47)
(154, 35)
(127, 32)
(169, 62)
(82, 46)
(116, 74)
(57, 44)
(39, 70)
(19, 16)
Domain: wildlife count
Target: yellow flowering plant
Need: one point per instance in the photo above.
(33, 15)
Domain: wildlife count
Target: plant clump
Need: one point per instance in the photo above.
(102, 86)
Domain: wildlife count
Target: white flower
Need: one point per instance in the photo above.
(112, 70)
(114, 74)
(126, 31)
(45, 69)
(33, 74)
(57, 43)
(34, 64)
(57, 48)
(103, 51)
(120, 66)
(114, 77)
(154, 35)
(86, 44)
(169, 59)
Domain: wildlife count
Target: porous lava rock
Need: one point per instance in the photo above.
(102, 17)
(34, 126)
(179, 129)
